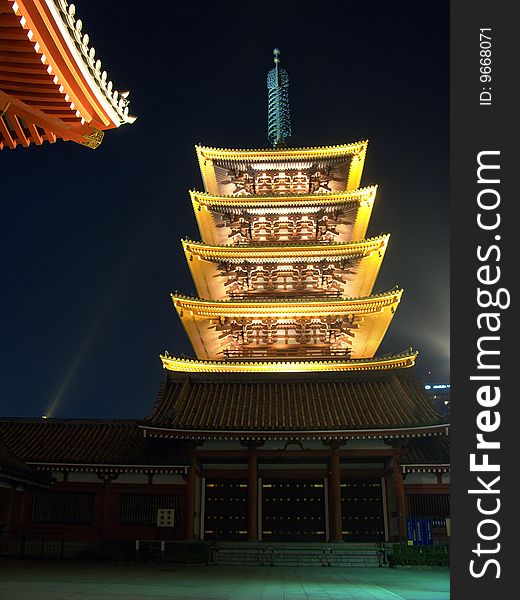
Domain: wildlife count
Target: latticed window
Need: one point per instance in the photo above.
(429, 505)
(61, 507)
(141, 509)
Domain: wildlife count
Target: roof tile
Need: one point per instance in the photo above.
(393, 401)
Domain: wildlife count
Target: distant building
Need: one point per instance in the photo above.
(440, 396)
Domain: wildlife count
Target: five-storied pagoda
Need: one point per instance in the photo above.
(287, 426)
(295, 428)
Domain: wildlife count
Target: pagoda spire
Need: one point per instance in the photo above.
(278, 116)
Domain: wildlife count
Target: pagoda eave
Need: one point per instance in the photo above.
(306, 152)
(261, 201)
(286, 251)
(215, 163)
(314, 307)
(185, 365)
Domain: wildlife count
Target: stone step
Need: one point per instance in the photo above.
(294, 555)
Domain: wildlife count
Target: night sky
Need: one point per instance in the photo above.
(90, 240)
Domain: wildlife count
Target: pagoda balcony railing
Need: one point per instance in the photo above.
(281, 293)
(286, 353)
(314, 241)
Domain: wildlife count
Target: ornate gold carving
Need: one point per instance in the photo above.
(93, 139)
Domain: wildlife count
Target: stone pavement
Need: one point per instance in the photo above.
(42, 580)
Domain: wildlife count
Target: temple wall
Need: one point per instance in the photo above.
(104, 521)
(106, 525)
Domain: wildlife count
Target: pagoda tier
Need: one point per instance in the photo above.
(305, 329)
(321, 218)
(249, 272)
(329, 169)
(52, 85)
(384, 363)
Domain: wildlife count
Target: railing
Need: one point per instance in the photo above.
(278, 292)
(299, 554)
(53, 545)
(32, 544)
(294, 353)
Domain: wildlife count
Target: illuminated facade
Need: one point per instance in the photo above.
(286, 399)
(286, 425)
(284, 271)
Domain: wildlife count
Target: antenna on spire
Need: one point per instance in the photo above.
(278, 115)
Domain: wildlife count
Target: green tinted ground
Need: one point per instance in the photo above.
(38, 580)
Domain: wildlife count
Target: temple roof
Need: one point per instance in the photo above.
(212, 211)
(427, 454)
(353, 267)
(346, 160)
(389, 405)
(359, 323)
(82, 443)
(393, 361)
(112, 446)
(15, 471)
(52, 85)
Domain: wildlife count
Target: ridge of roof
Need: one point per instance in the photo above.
(293, 300)
(194, 193)
(74, 27)
(363, 142)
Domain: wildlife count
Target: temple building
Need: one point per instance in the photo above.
(52, 84)
(286, 425)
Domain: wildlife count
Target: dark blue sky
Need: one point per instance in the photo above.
(90, 240)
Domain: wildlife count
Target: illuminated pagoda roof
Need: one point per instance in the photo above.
(52, 84)
(306, 170)
(383, 363)
(314, 328)
(232, 220)
(369, 405)
(284, 272)
(348, 270)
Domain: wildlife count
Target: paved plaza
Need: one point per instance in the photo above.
(40, 580)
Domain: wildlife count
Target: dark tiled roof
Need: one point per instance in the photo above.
(426, 451)
(82, 441)
(357, 403)
(14, 470)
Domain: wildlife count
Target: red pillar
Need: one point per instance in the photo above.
(400, 500)
(109, 505)
(190, 496)
(334, 489)
(252, 492)
(10, 525)
(11, 502)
